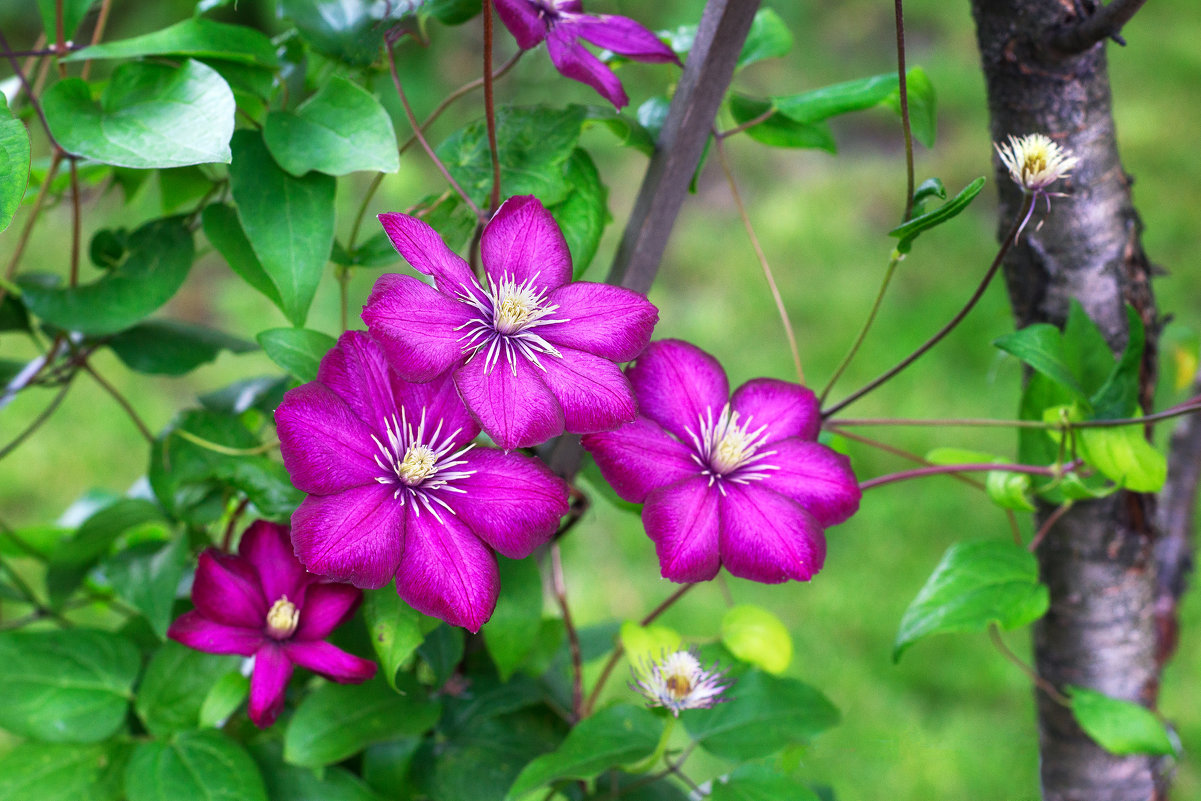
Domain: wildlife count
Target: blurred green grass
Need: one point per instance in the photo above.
(953, 720)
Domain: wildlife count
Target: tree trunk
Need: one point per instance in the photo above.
(1098, 560)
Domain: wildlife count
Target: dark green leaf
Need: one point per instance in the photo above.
(612, 737)
(339, 130)
(14, 163)
(1118, 726)
(289, 222)
(349, 30)
(175, 686)
(297, 350)
(489, 699)
(765, 714)
(196, 37)
(975, 584)
(167, 347)
(147, 575)
(395, 629)
(909, 231)
(840, 98)
(451, 12)
(182, 188)
(75, 556)
(511, 633)
(224, 230)
(1040, 346)
(264, 482)
(927, 189)
(769, 37)
(73, 13)
(264, 393)
(223, 699)
(377, 250)
(150, 115)
(629, 132)
(652, 114)
(1085, 349)
(196, 765)
(13, 316)
(108, 247)
(63, 772)
(634, 787)
(777, 130)
(442, 650)
(582, 216)
(290, 783)
(1118, 396)
(66, 686)
(339, 720)
(386, 767)
(760, 783)
(183, 474)
(159, 258)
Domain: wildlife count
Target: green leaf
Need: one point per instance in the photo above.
(175, 686)
(765, 714)
(1041, 347)
(451, 12)
(1118, 726)
(1118, 396)
(74, 557)
(909, 231)
(290, 783)
(534, 145)
(297, 350)
(758, 637)
(840, 98)
(13, 316)
(66, 686)
(349, 30)
(160, 255)
(975, 584)
(769, 37)
(196, 765)
(629, 132)
(223, 699)
(289, 222)
(777, 130)
(512, 631)
(582, 216)
(1123, 454)
(264, 482)
(183, 474)
(196, 37)
(224, 230)
(73, 13)
(63, 772)
(442, 651)
(760, 783)
(150, 115)
(262, 394)
(395, 629)
(1009, 490)
(652, 115)
(339, 720)
(341, 129)
(923, 122)
(610, 738)
(386, 767)
(927, 190)
(14, 163)
(168, 347)
(147, 576)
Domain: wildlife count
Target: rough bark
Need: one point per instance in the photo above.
(1098, 560)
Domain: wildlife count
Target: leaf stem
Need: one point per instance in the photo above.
(1048, 524)
(121, 401)
(1055, 695)
(490, 110)
(11, 271)
(970, 467)
(751, 123)
(902, 80)
(573, 638)
(37, 422)
(217, 447)
(456, 94)
(867, 324)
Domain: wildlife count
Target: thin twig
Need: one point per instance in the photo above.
(903, 81)
(573, 638)
(37, 422)
(32, 97)
(751, 123)
(490, 110)
(121, 401)
(970, 467)
(1055, 695)
(893, 261)
(76, 223)
(217, 447)
(97, 34)
(23, 240)
(1047, 525)
(456, 94)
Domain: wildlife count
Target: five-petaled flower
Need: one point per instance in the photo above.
(562, 24)
(532, 353)
(677, 682)
(262, 603)
(396, 488)
(735, 481)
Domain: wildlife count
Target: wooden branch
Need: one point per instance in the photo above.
(1106, 22)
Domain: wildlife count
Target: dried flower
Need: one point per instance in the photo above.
(677, 681)
(1035, 162)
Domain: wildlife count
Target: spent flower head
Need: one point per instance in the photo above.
(678, 681)
(1035, 162)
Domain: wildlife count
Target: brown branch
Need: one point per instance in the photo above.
(1106, 22)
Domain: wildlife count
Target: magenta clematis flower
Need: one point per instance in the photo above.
(262, 603)
(397, 489)
(562, 24)
(735, 481)
(532, 354)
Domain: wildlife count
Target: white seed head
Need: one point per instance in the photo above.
(1035, 162)
(677, 681)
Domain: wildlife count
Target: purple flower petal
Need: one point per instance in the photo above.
(330, 661)
(522, 242)
(625, 36)
(612, 322)
(574, 61)
(447, 572)
(440, 402)
(640, 457)
(517, 410)
(523, 20)
(356, 371)
(226, 590)
(325, 447)
(427, 253)
(268, 549)
(416, 326)
(272, 669)
(682, 520)
(593, 392)
(787, 409)
(768, 538)
(511, 502)
(355, 536)
(678, 385)
(326, 606)
(197, 631)
(815, 477)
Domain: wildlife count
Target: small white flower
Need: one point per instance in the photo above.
(677, 681)
(1035, 162)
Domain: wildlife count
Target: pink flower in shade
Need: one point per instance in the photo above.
(532, 354)
(262, 603)
(562, 24)
(397, 489)
(735, 481)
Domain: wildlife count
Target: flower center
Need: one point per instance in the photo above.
(282, 618)
(678, 685)
(418, 463)
(729, 448)
(420, 467)
(505, 327)
(515, 310)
